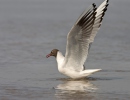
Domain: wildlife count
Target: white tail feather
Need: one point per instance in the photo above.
(89, 72)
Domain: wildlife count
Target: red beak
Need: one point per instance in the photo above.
(48, 55)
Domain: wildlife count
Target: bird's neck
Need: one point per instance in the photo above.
(59, 59)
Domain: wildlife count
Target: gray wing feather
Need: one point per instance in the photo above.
(81, 35)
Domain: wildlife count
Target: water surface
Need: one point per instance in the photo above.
(30, 29)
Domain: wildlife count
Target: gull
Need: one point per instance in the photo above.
(79, 40)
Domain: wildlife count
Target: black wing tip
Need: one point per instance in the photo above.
(105, 10)
(93, 12)
(94, 5)
(107, 1)
(107, 5)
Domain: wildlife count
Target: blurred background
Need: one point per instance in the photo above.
(30, 29)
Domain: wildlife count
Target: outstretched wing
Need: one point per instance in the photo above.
(82, 34)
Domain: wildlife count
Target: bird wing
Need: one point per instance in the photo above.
(82, 35)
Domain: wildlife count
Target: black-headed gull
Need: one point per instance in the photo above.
(79, 39)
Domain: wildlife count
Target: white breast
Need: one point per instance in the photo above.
(60, 61)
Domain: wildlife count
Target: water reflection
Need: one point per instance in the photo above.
(75, 90)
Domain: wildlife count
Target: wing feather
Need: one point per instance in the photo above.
(82, 35)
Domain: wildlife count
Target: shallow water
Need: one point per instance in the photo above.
(30, 29)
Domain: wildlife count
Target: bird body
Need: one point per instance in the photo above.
(70, 71)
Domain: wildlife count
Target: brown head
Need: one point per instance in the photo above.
(53, 53)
